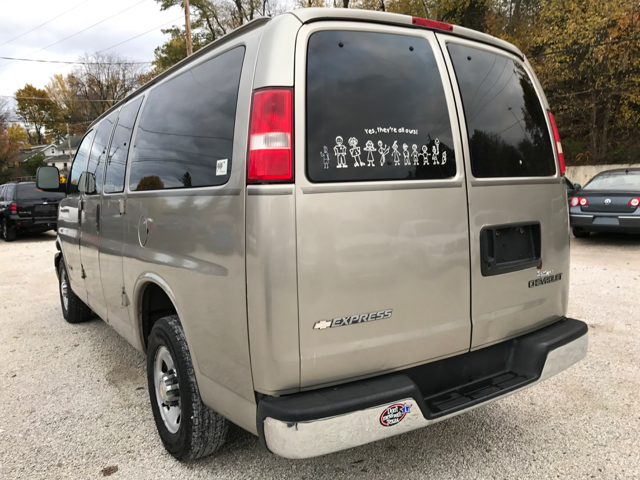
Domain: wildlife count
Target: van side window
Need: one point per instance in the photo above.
(80, 161)
(506, 124)
(117, 159)
(95, 167)
(185, 134)
(375, 113)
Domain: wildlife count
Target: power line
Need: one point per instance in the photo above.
(72, 63)
(148, 31)
(77, 33)
(43, 24)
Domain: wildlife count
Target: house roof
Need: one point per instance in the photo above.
(75, 141)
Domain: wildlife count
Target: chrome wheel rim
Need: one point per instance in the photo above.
(165, 379)
(64, 289)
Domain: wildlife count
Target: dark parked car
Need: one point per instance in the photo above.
(24, 208)
(607, 203)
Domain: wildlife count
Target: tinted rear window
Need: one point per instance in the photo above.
(185, 134)
(621, 182)
(376, 109)
(506, 124)
(28, 191)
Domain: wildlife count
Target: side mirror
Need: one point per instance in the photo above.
(577, 186)
(48, 179)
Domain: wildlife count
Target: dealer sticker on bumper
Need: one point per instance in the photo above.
(394, 414)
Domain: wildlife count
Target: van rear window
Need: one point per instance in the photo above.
(376, 109)
(506, 124)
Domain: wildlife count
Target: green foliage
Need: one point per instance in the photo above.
(175, 49)
(33, 163)
(38, 111)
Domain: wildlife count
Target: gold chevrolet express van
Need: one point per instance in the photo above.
(328, 227)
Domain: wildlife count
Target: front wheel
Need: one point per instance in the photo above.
(74, 310)
(187, 427)
(580, 233)
(8, 233)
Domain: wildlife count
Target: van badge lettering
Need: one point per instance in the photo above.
(394, 414)
(353, 319)
(545, 279)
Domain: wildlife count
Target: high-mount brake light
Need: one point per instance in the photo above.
(556, 137)
(584, 202)
(271, 136)
(634, 202)
(424, 22)
(14, 208)
(575, 201)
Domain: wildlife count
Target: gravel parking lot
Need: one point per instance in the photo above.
(76, 400)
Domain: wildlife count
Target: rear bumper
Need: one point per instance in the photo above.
(328, 420)
(606, 222)
(33, 222)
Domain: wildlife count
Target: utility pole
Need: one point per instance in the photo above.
(69, 142)
(187, 23)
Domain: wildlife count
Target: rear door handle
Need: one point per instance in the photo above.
(98, 218)
(80, 208)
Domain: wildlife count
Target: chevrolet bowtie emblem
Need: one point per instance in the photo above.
(322, 324)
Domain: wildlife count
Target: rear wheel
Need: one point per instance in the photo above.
(580, 233)
(74, 310)
(187, 427)
(8, 232)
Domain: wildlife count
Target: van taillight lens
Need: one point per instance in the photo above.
(424, 22)
(14, 208)
(634, 202)
(556, 137)
(271, 136)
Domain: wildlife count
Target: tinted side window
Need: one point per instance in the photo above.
(95, 167)
(117, 160)
(376, 109)
(80, 161)
(506, 124)
(2, 188)
(185, 134)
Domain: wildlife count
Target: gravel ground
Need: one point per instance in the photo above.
(76, 403)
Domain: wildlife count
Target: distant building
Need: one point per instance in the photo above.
(61, 155)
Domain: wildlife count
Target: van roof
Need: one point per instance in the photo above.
(308, 15)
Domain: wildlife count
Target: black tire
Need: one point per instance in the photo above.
(200, 431)
(76, 310)
(8, 232)
(580, 233)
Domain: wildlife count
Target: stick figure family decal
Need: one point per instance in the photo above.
(408, 157)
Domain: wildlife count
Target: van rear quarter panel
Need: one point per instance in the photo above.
(195, 250)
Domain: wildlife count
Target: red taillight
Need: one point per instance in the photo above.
(584, 202)
(14, 208)
(424, 22)
(556, 137)
(634, 202)
(575, 201)
(271, 136)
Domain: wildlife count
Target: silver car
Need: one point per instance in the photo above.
(328, 227)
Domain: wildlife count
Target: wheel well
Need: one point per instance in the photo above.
(155, 305)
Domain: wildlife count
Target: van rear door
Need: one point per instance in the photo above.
(381, 206)
(517, 200)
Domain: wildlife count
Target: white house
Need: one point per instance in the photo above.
(61, 155)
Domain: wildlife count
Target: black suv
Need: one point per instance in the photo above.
(25, 208)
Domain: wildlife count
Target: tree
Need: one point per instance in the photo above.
(8, 147)
(588, 60)
(211, 19)
(19, 136)
(33, 163)
(37, 111)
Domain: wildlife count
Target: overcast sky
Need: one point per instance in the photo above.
(17, 18)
